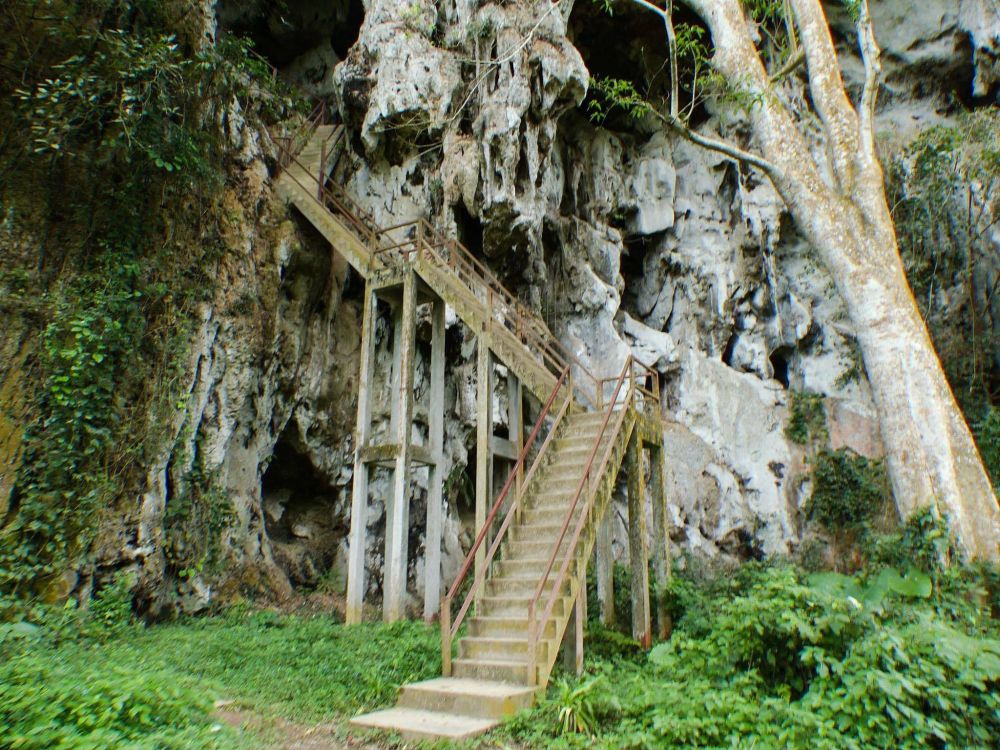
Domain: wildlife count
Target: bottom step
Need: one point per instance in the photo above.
(415, 724)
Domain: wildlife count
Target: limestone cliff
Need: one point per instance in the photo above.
(472, 115)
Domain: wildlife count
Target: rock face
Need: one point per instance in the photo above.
(471, 114)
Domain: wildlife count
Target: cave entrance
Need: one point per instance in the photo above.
(301, 37)
(299, 505)
(637, 53)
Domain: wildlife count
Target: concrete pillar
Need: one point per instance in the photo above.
(638, 553)
(435, 509)
(484, 433)
(660, 553)
(394, 406)
(573, 640)
(604, 571)
(398, 511)
(515, 420)
(359, 492)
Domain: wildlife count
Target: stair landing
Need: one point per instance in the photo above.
(449, 708)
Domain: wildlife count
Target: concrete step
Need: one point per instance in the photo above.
(521, 568)
(416, 724)
(504, 670)
(522, 549)
(479, 698)
(515, 606)
(519, 586)
(550, 514)
(499, 649)
(539, 532)
(506, 627)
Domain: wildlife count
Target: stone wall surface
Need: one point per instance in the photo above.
(626, 240)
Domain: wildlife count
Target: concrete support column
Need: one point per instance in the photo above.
(394, 406)
(515, 421)
(398, 510)
(660, 553)
(435, 509)
(638, 553)
(359, 492)
(605, 568)
(484, 434)
(573, 640)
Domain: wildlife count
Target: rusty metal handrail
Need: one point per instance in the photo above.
(612, 407)
(449, 629)
(505, 308)
(297, 140)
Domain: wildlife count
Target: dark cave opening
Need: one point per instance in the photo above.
(631, 45)
(282, 30)
(780, 361)
(470, 229)
(298, 502)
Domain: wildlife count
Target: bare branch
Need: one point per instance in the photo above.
(873, 74)
(666, 15)
(719, 146)
(668, 22)
(827, 89)
(793, 62)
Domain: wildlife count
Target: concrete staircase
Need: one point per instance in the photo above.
(491, 676)
(499, 663)
(496, 646)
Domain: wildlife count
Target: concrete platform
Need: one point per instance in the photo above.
(449, 708)
(468, 697)
(416, 724)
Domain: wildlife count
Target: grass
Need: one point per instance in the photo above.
(137, 687)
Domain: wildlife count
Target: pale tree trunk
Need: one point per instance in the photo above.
(932, 458)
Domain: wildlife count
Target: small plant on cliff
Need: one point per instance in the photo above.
(848, 490)
(807, 421)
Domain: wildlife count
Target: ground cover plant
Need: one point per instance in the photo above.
(69, 680)
(905, 654)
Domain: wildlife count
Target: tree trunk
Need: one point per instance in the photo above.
(842, 211)
(931, 454)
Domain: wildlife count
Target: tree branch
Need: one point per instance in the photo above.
(827, 90)
(719, 146)
(666, 15)
(873, 74)
(793, 62)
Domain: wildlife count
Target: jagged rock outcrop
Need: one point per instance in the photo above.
(472, 115)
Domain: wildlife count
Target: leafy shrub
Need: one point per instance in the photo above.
(848, 490)
(767, 657)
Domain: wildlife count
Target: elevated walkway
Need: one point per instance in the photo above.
(523, 583)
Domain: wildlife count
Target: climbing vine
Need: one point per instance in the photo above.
(113, 117)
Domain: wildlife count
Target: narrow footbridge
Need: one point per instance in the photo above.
(522, 589)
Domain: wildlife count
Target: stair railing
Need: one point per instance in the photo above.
(290, 145)
(422, 240)
(450, 628)
(505, 308)
(586, 483)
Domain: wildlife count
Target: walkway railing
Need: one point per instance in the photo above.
(449, 627)
(641, 382)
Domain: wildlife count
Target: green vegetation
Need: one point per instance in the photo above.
(74, 680)
(768, 656)
(944, 189)
(807, 421)
(849, 491)
(114, 156)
